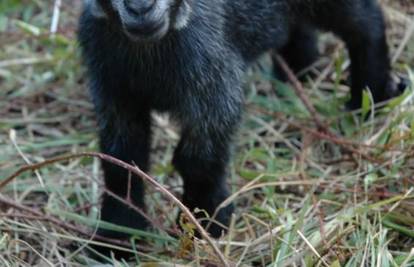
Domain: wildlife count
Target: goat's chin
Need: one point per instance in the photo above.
(150, 36)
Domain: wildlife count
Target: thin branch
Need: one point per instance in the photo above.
(137, 209)
(36, 214)
(349, 146)
(301, 92)
(133, 169)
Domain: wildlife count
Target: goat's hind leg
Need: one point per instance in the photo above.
(360, 23)
(300, 52)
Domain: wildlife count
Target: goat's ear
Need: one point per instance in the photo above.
(183, 16)
(95, 8)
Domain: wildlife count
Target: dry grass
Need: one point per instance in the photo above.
(303, 198)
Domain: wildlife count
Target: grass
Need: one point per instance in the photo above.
(303, 198)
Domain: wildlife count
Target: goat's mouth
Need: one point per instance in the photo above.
(146, 32)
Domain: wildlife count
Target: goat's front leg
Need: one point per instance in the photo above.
(202, 159)
(125, 137)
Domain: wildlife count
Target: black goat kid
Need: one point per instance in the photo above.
(187, 58)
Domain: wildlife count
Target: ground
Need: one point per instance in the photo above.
(337, 195)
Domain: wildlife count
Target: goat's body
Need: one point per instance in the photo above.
(195, 74)
(254, 33)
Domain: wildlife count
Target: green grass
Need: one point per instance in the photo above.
(303, 199)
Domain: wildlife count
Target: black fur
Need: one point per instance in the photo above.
(195, 74)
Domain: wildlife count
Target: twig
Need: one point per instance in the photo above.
(312, 248)
(137, 209)
(300, 91)
(133, 169)
(13, 139)
(55, 18)
(38, 215)
(346, 144)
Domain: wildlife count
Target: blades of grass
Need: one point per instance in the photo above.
(283, 251)
(366, 103)
(110, 226)
(401, 229)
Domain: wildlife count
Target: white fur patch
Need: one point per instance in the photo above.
(95, 9)
(183, 16)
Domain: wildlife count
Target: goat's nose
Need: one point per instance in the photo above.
(139, 7)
